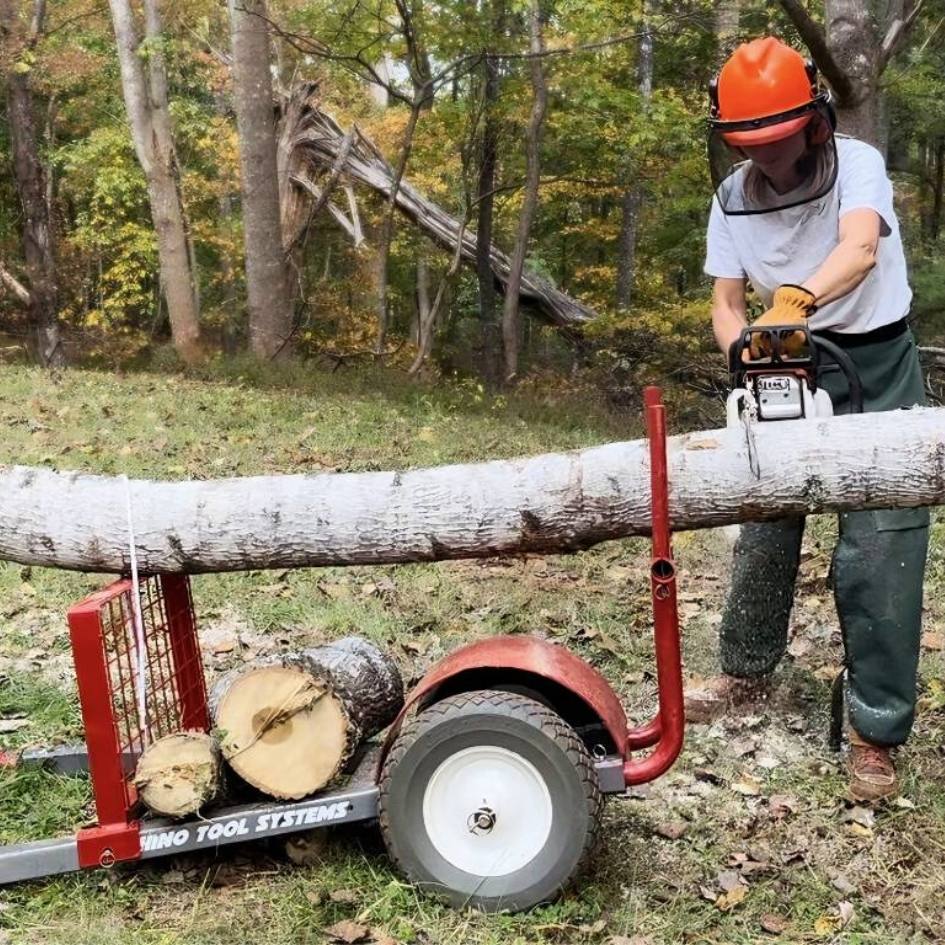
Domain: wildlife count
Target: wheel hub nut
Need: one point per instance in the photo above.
(482, 820)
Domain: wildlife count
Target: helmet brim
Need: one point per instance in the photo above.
(767, 134)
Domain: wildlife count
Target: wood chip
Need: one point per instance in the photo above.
(859, 815)
(729, 880)
(781, 805)
(731, 899)
(747, 786)
(841, 883)
(348, 932)
(672, 829)
(845, 909)
(774, 924)
(344, 895)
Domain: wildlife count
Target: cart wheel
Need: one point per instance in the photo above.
(489, 799)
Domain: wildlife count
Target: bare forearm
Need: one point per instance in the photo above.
(843, 270)
(727, 324)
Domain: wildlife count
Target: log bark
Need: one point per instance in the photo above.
(543, 504)
(289, 726)
(180, 774)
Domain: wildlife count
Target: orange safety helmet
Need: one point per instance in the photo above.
(765, 92)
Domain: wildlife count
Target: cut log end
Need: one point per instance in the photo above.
(291, 726)
(283, 731)
(179, 774)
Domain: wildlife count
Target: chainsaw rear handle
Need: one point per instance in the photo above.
(810, 362)
(844, 363)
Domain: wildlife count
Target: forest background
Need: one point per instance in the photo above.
(569, 136)
(187, 210)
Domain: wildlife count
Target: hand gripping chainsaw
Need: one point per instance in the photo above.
(782, 385)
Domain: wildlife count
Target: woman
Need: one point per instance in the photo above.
(807, 218)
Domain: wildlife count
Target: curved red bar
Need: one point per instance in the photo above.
(666, 730)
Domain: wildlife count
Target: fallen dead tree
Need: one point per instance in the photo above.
(314, 151)
(551, 503)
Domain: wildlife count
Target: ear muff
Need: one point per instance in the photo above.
(831, 111)
(817, 91)
(811, 68)
(714, 97)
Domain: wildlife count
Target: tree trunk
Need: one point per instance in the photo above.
(510, 310)
(387, 227)
(632, 202)
(428, 325)
(853, 35)
(544, 504)
(146, 103)
(852, 54)
(14, 287)
(485, 278)
(30, 178)
(727, 22)
(180, 774)
(267, 283)
(291, 725)
(422, 314)
(936, 219)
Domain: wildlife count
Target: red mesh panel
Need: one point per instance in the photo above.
(105, 650)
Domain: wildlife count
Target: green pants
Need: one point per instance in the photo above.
(878, 572)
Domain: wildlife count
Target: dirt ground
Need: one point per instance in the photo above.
(748, 839)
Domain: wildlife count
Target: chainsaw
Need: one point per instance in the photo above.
(783, 384)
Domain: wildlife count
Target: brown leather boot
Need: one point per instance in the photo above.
(872, 772)
(724, 694)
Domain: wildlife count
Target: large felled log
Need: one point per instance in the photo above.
(312, 145)
(179, 774)
(288, 726)
(551, 503)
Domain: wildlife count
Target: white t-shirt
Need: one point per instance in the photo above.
(789, 246)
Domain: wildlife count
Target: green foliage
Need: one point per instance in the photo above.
(112, 226)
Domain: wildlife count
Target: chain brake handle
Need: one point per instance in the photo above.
(810, 363)
(741, 363)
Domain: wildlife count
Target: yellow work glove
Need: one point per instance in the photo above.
(791, 305)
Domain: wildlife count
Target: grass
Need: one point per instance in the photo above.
(238, 420)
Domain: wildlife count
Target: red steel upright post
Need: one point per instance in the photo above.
(116, 836)
(666, 730)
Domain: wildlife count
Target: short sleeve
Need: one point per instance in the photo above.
(721, 256)
(863, 184)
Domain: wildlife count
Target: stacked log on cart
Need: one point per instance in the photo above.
(288, 726)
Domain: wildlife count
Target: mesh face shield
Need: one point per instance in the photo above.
(763, 164)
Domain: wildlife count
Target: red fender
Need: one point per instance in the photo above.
(528, 655)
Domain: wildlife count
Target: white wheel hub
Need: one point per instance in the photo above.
(487, 810)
